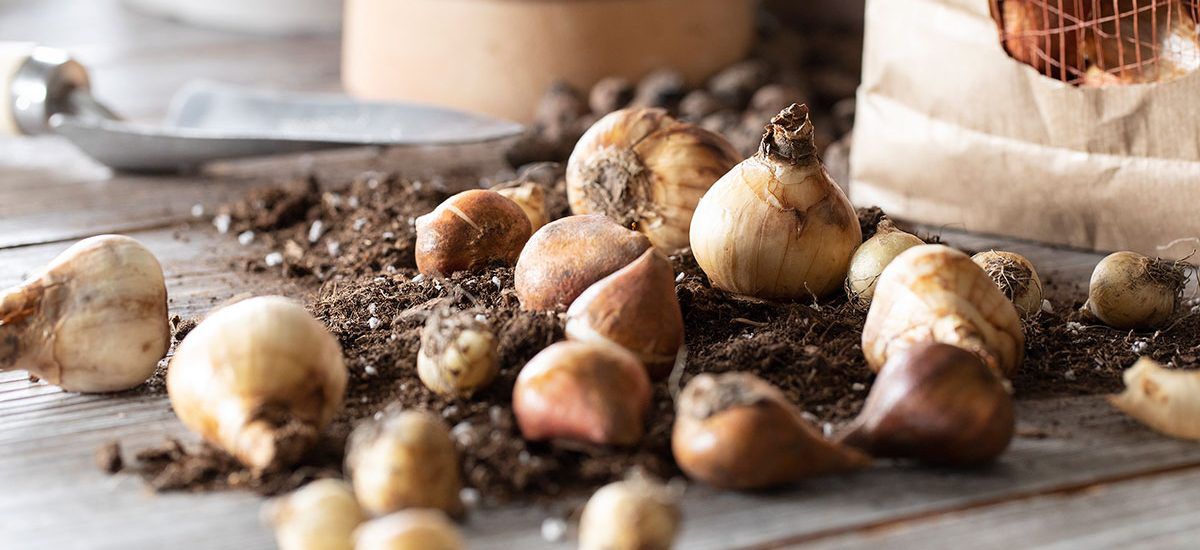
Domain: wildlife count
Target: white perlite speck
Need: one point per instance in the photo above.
(246, 237)
(333, 247)
(359, 224)
(315, 231)
(373, 323)
(197, 210)
(554, 529)
(222, 222)
(371, 308)
(371, 371)
(273, 259)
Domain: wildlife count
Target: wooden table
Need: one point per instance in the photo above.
(1079, 475)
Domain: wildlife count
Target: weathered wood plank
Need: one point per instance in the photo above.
(1153, 512)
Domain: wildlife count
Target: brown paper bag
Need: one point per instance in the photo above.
(951, 131)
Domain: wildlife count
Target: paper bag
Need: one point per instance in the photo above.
(951, 131)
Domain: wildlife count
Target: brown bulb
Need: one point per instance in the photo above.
(634, 308)
(936, 403)
(736, 431)
(595, 393)
(567, 256)
(471, 230)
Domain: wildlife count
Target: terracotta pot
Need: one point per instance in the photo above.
(499, 56)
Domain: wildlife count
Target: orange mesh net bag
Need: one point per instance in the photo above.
(1066, 121)
(1101, 42)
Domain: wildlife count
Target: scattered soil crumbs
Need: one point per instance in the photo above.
(367, 291)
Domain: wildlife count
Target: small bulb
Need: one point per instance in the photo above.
(319, 516)
(532, 200)
(568, 255)
(596, 393)
(471, 230)
(260, 378)
(404, 459)
(634, 308)
(736, 431)
(93, 320)
(1015, 276)
(936, 403)
(872, 257)
(409, 530)
(1131, 291)
(636, 514)
(458, 353)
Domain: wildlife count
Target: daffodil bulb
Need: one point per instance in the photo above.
(777, 226)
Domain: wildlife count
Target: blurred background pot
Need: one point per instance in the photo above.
(499, 56)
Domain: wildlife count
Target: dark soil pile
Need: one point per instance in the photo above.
(367, 291)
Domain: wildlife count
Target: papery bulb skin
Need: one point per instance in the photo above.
(776, 226)
(647, 171)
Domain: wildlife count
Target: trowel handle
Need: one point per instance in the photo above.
(35, 83)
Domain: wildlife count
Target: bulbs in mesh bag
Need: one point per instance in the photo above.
(1131, 291)
(1015, 277)
(260, 378)
(933, 293)
(647, 171)
(319, 516)
(736, 431)
(1166, 400)
(875, 254)
(404, 459)
(93, 320)
(776, 226)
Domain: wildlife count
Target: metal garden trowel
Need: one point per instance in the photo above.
(48, 92)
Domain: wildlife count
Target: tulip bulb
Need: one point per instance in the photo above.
(320, 516)
(936, 403)
(260, 378)
(647, 171)
(1168, 401)
(634, 308)
(409, 530)
(458, 353)
(636, 514)
(933, 293)
(1131, 291)
(93, 320)
(874, 255)
(777, 226)
(595, 393)
(472, 230)
(569, 255)
(532, 200)
(736, 431)
(404, 459)
(1015, 276)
